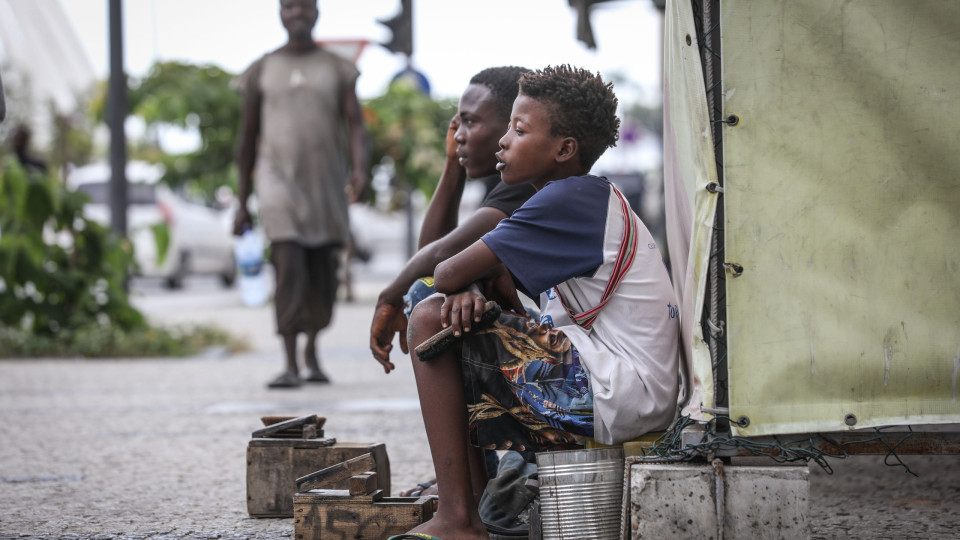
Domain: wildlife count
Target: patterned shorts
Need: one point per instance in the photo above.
(525, 387)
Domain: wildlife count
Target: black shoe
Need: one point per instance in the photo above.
(287, 379)
(317, 376)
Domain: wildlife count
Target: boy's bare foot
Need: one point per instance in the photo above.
(451, 530)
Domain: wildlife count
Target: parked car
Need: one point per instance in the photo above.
(200, 236)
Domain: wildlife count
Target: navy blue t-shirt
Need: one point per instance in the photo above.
(556, 235)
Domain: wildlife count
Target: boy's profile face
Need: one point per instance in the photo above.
(528, 150)
(299, 17)
(481, 124)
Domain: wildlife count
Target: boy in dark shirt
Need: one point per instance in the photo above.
(483, 110)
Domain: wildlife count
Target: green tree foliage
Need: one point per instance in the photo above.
(410, 128)
(61, 281)
(190, 97)
(403, 124)
(60, 271)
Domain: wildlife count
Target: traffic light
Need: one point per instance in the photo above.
(402, 28)
(584, 29)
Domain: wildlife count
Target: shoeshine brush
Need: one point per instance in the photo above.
(444, 339)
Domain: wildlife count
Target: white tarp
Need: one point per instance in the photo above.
(688, 166)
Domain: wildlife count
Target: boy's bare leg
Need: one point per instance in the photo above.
(442, 402)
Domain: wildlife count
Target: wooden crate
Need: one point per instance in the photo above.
(328, 514)
(273, 466)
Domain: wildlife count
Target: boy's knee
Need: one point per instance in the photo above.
(421, 289)
(424, 321)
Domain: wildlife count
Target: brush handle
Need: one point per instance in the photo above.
(444, 339)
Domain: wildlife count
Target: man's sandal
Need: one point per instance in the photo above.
(440, 342)
(414, 536)
(287, 379)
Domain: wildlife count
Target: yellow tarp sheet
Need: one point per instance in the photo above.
(842, 204)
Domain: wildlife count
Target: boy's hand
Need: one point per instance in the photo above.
(388, 319)
(460, 310)
(451, 142)
(501, 289)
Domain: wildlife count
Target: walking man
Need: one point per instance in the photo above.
(298, 101)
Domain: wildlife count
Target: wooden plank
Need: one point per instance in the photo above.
(273, 466)
(343, 494)
(319, 516)
(308, 431)
(293, 443)
(336, 473)
(364, 483)
(270, 420)
(284, 425)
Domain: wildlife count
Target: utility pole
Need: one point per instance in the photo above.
(116, 115)
(401, 41)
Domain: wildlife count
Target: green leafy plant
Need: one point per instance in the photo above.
(193, 97)
(62, 280)
(410, 127)
(161, 235)
(59, 270)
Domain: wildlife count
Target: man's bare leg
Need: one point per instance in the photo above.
(311, 359)
(290, 349)
(289, 378)
(443, 405)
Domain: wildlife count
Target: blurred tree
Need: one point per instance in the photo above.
(649, 118)
(403, 123)
(70, 137)
(195, 98)
(59, 271)
(72, 141)
(409, 127)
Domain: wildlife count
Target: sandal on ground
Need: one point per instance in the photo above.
(317, 376)
(414, 536)
(287, 379)
(418, 491)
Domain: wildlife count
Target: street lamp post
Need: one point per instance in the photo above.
(116, 113)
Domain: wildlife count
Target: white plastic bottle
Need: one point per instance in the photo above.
(252, 281)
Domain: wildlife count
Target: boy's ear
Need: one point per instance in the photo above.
(568, 149)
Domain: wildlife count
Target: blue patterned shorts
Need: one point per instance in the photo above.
(525, 387)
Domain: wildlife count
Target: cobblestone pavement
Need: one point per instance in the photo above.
(155, 448)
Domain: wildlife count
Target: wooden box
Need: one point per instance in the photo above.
(328, 514)
(273, 466)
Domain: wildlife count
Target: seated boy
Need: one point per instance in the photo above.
(602, 362)
(482, 112)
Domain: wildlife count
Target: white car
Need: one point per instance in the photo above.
(200, 237)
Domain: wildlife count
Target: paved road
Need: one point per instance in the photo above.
(157, 447)
(137, 448)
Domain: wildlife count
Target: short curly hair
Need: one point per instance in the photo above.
(503, 83)
(581, 106)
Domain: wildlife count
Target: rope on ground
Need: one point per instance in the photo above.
(669, 446)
